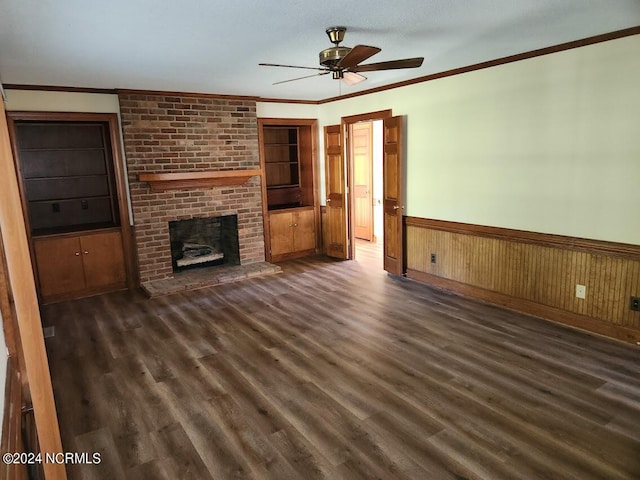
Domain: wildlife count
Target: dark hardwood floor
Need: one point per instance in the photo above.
(334, 370)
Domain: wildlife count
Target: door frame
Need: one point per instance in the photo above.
(346, 122)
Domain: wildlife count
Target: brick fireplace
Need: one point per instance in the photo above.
(176, 134)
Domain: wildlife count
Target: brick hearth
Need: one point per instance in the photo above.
(201, 278)
(164, 134)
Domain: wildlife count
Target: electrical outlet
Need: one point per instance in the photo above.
(635, 304)
(433, 258)
(581, 291)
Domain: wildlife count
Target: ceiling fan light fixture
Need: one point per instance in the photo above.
(351, 78)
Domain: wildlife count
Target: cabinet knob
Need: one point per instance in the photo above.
(328, 200)
(77, 254)
(85, 252)
(295, 224)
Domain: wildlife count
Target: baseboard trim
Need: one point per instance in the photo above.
(563, 317)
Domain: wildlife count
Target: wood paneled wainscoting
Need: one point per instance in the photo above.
(531, 272)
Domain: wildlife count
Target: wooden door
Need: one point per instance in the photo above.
(281, 230)
(392, 196)
(336, 222)
(103, 260)
(362, 155)
(304, 232)
(59, 261)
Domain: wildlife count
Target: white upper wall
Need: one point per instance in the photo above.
(548, 144)
(286, 110)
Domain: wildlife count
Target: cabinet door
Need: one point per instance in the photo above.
(103, 259)
(59, 262)
(281, 227)
(304, 232)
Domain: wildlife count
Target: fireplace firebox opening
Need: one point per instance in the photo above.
(204, 242)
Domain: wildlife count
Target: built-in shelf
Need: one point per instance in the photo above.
(181, 181)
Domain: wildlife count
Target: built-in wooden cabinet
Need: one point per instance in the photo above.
(72, 188)
(76, 264)
(288, 156)
(293, 232)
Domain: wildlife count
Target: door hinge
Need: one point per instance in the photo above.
(346, 190)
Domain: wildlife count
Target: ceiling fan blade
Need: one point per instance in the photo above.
(358, 54)
(351, 78)
(288, 66)
(300, 78)
(391, 65)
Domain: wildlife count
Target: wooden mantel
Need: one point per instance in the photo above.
(181, 181)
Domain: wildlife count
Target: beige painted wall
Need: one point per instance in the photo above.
(45, 101)
(549, 144)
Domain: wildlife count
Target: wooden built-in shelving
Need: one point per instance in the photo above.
(180, 181)
(73, 190)
(290, 193)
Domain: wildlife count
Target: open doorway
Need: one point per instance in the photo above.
(366, 158)
(339, 231)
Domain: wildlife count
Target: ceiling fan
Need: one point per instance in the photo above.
(344, 62)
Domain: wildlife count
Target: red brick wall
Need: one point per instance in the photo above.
(165, 133)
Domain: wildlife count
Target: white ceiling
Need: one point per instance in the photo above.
(214, 46)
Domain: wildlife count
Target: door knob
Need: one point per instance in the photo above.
(328, 200)
(396, 207)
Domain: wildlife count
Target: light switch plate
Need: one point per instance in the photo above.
(581, 291)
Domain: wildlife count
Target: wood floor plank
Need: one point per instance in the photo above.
(98, 442)
(178, 456)
(148, 471)
(335, 370)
